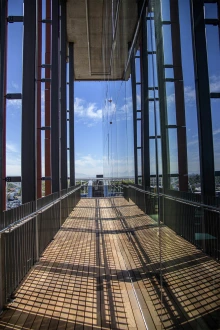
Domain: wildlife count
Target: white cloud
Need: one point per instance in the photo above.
(192, 142)
(217, 131)
(214, 84)
(86, 110)
(10, 147)
(14, 103)
(89, 165)
(13, 160)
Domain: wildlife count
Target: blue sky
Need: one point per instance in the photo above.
(92, 99)
(88, 110)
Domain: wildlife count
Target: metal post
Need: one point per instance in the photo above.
(145, 106)
(134, 99)
(55, 99)
(71, 114)
(47, 99)
(39, 51)
(162, 94)
(63, 112)
(179, 96)
(2, 271)
(203, 100)
(3, 77)
(28, 155)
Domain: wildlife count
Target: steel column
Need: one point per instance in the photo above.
(2, 272)
(47, 99)
(28, 154)
(203, 100)
(63, 110)
(3, 80)
(145, 106)
(55, 131)
(179, 96)
(71, 114)
(39, 51)
(134, 99)
(162, 94)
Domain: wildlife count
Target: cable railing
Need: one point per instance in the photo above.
(197, 222)
(25, 233)
(101, 187)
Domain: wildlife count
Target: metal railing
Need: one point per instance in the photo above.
(25, 233)
(197, 222)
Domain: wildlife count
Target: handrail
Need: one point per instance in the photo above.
(32, 215)
(177, 199)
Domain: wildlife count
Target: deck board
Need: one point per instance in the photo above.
(102, 271)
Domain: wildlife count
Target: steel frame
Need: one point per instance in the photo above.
(28, 154)
(71, 115)
(63, 83)
(134, 101)
(39, 62)
(3, 83)
(47, 93)
(203, 100)
(162, 95)
(145, 106)
(179, 96)
(55, 128)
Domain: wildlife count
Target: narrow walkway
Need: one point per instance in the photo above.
(102, 272)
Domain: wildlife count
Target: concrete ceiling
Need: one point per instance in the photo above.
(101, 31)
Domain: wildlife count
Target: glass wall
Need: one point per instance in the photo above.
(118, 143)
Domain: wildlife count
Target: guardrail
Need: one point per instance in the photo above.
(26, 231)
(197, 222)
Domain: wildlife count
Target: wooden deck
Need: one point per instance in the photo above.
(102, 271)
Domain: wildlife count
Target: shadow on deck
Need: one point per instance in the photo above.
(103, 271)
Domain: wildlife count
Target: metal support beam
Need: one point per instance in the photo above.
(145, 106)
(2, 272)
(39, 52)
(71, 114)
(162, 94)
(3, 80)
(179, 96)
(134, 99)
(63, 112)
(28, 154)
(47, 149)
(203, 100)
(55, 131)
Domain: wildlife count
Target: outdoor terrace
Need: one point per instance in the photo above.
(102, 271)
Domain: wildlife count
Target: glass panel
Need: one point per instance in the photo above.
(173, 150)
(153, 93)
(151, 119)
(171, 107)
(211, 10)
(174, 183)
(139, 159)
(13, 138)
(138, 69)
(138, 95)
(15, 8)
(138, 114)
(139, 133)
(165, 8)
(169, 73)
(167, 44)
(215, 104)
(14, 63)
(212, 37)
(152, 157)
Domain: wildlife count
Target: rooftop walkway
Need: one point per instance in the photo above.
(102, 272)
